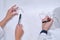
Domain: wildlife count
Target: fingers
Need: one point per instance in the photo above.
(19, 28)
(14, 8)
(47, 19)
(51, 21)
(47, 23)
(19, 31)
(19, 25)
(15, 13)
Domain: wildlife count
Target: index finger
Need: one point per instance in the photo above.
(45, 19)
(13, 6)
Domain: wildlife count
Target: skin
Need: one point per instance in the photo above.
(19, 32)
(46, 26)
(10, 14)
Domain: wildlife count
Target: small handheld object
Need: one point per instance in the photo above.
(19, 19)
(48, 20)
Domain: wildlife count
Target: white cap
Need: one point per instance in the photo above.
(56, 16)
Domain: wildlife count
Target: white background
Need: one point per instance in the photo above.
(30, 18)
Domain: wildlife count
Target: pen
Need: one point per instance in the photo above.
(48, 20)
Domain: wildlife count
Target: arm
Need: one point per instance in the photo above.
(10, 14)
(3, 22)
(42, 36)
(45, 27)
(18, 32)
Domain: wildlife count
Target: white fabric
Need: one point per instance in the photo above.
(43, 36)
(53, 35)
(1, 33)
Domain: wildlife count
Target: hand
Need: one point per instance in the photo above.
(46, 26)
(19, 32)
(12, 12)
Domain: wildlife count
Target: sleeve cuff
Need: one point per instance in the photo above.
(44, 31)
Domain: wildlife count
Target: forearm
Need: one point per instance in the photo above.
(17, 38)
(4, 22)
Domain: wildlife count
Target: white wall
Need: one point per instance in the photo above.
(30, 18)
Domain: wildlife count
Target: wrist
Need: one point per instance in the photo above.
(3, 22)
(45, 28)
(7, 18)
(17, 39)
(44, 31)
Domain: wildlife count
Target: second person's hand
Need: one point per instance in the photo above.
(12, 12)
(47, 24)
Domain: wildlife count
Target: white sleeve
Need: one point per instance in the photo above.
(1, 32)
(43, 36)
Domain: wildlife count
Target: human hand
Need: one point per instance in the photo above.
(11, 12)
(47, 24)
(19, 32)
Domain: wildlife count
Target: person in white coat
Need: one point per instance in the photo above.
(47, 25)
(10, 14)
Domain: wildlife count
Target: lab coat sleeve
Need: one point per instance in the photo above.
(1, 32)
(43, 36)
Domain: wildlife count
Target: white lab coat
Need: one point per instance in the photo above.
(1, 33)
(52, 35)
